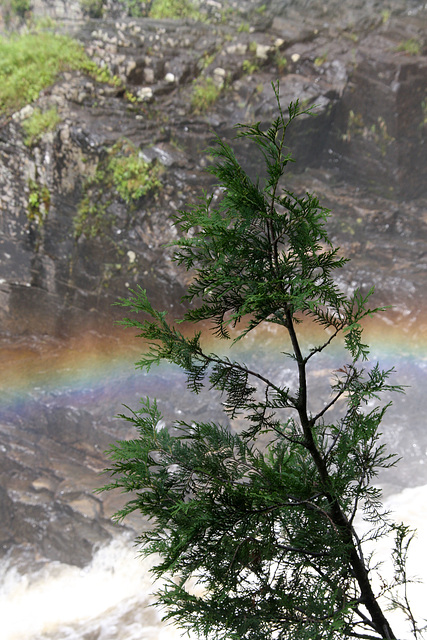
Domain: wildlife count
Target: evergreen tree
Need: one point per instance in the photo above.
(267, 530)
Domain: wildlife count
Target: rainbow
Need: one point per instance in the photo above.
(89, 364)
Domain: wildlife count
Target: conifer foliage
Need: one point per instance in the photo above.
(267, 530)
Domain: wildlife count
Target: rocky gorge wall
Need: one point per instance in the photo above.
(73, 239)
(87, 198)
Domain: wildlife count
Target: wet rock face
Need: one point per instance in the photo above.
(51, 459)
(363, 65)
(380, 122)
(63, 266)
(49, 465)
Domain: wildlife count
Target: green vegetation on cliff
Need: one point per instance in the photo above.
(38, 123)
(173, 9)
(18, 8)
(38, 202)
(92, 8)
(412, 47)
(159, 9)
(32, 62)
(132, 176)
(123, 171)
(205, 94)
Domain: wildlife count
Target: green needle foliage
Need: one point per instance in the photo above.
(267, 531)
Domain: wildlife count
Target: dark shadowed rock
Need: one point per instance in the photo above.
(380, 128)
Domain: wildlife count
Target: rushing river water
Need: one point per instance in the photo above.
(56, 418)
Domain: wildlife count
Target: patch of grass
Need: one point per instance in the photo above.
(253, 46)
(281, 61)
(38, 203)
(92, 8)
(93, 219)
(261, 10)
(39, 123)
(174, 9)
(44, 23)
(135, 8)
(385, 15)
(207, 59)
(130, 97)
(20, 7)
(351, 36)
(32, 61)
(162, 9)
(123, 171)
(205, 94)
(15, 8)
(243, 27)
(411, 46)
(250, 66)
(320, 60)
(132, 176)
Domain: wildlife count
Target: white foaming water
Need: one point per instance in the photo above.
(108, 599)
(409, 507)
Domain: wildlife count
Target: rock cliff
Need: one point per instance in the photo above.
(72, 238)
(94, 166)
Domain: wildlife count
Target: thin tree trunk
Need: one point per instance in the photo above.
(339, 519)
